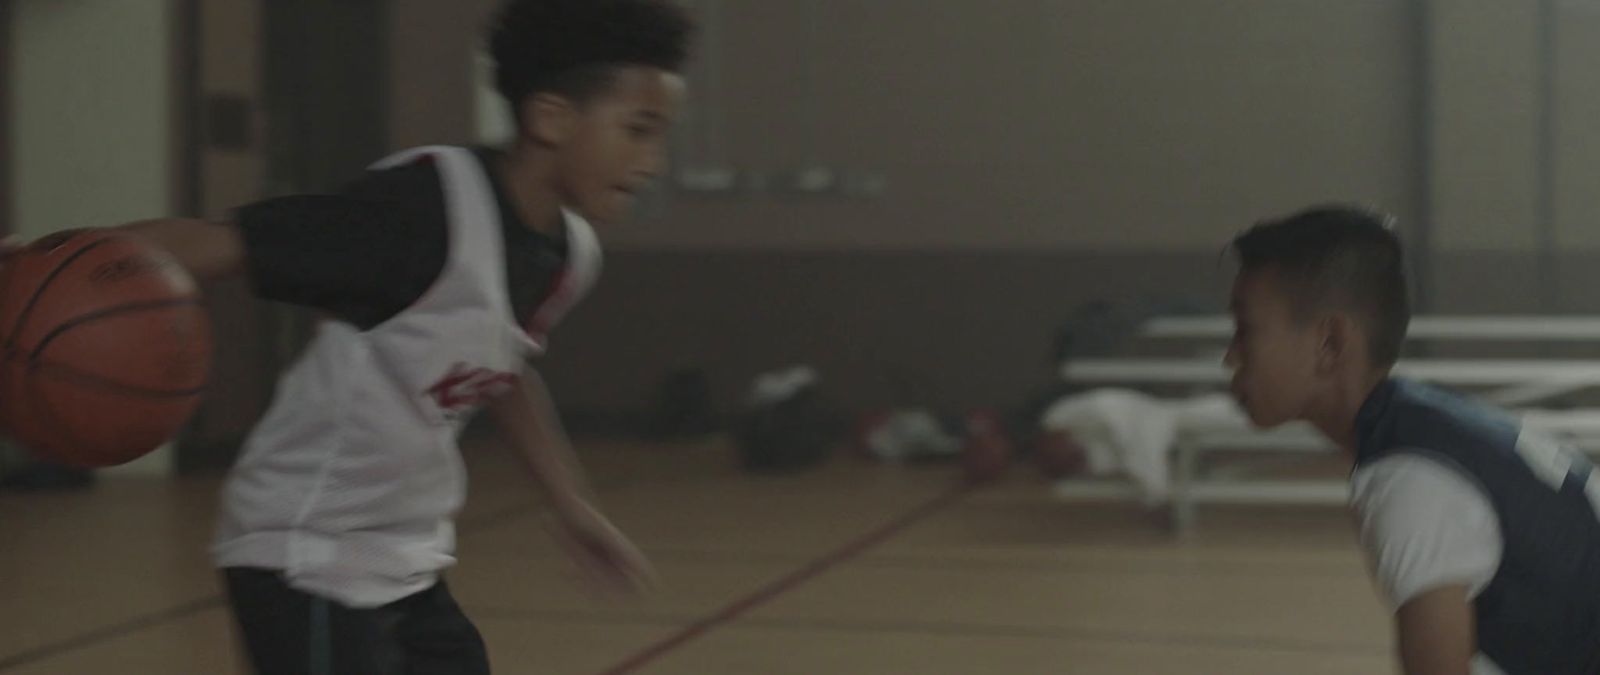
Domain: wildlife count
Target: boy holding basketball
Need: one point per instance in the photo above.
(444, 270)
(1482, 536)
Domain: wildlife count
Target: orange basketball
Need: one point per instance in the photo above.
(986, 453)
(1060, 455)
(104, 348)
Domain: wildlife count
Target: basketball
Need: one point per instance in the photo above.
(104, 348)
(986, 453)
(1059, 455)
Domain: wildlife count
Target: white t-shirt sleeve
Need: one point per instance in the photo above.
(1424, 525)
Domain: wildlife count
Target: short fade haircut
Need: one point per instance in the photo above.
(572, 47)
(1337, 257)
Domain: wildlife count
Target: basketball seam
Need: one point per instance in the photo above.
(27, 309)
(100, 381)
(98, 315)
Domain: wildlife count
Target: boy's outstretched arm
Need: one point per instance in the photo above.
(528, 421)
(1436, 633)
(207, 249)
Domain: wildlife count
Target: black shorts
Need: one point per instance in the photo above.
(291, 632)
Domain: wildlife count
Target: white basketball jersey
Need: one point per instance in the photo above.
(351, 481)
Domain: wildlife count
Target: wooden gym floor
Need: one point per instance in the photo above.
(850, 568)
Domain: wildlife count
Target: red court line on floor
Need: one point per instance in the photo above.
(106, 633)
(787, 583)
(166, 616)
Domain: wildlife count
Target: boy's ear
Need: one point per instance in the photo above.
(547, 118)
(1336, 334)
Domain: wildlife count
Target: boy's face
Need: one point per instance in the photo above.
(1273, 356)
(617, 144)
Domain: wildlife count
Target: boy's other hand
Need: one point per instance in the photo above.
(601, 551)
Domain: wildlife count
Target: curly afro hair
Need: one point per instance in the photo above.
(571, 47)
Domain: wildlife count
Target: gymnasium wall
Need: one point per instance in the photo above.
(1040, 154)
(1513, 155)
(78, 163)
(430, 72)
(1037, 154)
(1126, 125)
(5, 119)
